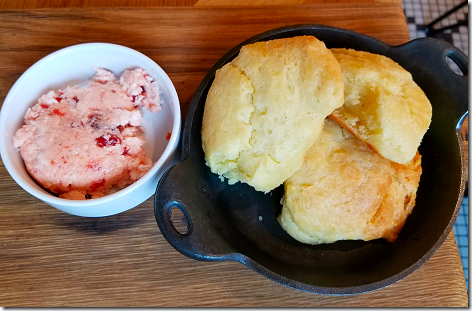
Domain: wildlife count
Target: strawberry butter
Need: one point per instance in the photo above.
(86, 142)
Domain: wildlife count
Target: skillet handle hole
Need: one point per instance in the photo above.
(454, 64)
(179, 219)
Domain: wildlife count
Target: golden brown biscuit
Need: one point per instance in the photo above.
(383, 106)
(266, 108)
(346, 191)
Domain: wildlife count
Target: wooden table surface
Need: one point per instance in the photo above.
(52, 259)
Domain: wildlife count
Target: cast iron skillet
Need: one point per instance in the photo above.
(238, 223)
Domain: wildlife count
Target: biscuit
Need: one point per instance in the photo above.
(383, 106)
(346, 191)
(267, 107)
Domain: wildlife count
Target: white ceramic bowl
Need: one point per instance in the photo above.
(75, 65)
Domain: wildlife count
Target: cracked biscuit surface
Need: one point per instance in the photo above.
(346, 191)
(267, 107)
(383, 106)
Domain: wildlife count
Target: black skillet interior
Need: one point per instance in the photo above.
(238, 223)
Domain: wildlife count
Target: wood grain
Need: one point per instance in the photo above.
(42, 4)
(176, 38)
(465, 141)
(52, 259)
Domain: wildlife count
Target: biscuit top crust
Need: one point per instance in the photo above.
(266, 108)
(346, 191)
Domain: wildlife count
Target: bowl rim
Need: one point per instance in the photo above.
(173, 141)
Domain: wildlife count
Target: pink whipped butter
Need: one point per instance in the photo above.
(86, 142)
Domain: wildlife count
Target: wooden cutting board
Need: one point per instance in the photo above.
(52, 259)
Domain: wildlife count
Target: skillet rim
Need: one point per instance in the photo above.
(247, 261)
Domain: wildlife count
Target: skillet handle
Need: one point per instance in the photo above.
(428, 55)
(202, 239)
